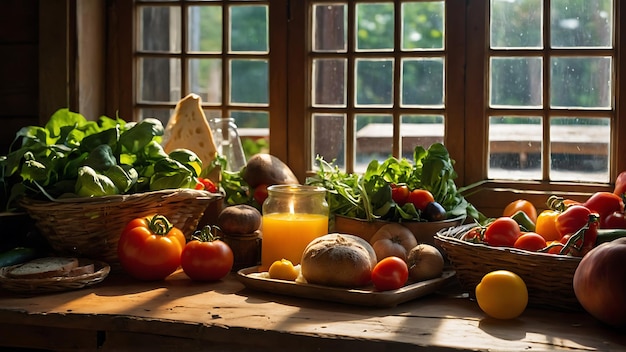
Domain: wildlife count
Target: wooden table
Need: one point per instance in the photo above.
(122, 314)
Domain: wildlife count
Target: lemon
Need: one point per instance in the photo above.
(502, 294)
(283, 270)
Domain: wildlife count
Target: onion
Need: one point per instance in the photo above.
(600, 282)
(425, 262)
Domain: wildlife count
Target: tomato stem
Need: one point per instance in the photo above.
(159, 225)
(579, 236)
(207, 234)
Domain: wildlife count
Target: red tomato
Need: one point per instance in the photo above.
(604, 203)
(572, 219)
(521, 205)
(530, 241)
(206, 258)
(206, 184)
(502, 232)
(400, 194)
(420, 198)
(149, 248)
(260, 193)
(390, 273)
(617, 220)
(620, 184)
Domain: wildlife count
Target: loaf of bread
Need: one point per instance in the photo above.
(338, 260)
(42, 268)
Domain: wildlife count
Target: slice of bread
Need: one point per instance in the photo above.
(82, 270)
(42, 268)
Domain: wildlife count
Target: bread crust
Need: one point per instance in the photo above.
(339, 260)
(42, 268)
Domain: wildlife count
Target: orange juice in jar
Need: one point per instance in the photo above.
(293, 215)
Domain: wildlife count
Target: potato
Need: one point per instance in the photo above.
(425, 262)
(266, 169)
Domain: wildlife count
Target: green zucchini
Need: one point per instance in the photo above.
(18, 255)
(608, 235)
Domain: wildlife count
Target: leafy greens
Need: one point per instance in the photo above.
(368, 195)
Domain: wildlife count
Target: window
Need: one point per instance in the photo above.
(551, 87)
(524, 93)
(216, 49)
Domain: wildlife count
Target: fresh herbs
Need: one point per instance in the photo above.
(71, 156)
(368, 196)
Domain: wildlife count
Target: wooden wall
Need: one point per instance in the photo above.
(19, 68)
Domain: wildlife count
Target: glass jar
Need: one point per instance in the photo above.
(293, 216)
(228, 142)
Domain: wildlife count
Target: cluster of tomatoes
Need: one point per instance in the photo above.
(567, 227)
(151, 248)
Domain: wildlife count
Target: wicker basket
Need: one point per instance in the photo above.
(90, 227)
(548, 277)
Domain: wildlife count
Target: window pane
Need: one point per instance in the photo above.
(423, 130)
(423, 25)
(254, 131)
(374, 139)
(515, 147)
(516, 24)
(329, 138)
(329, 82)
(579, 149)
(162, 115)
(422, 82)
(516, 81)
(159, 29)
(249, 29)
(581, 23)
(375, 24)
(374, 82)
(205, 29)
(249, 82)
(329, 28)
(205, 79)
(580, 82)
(159, 80)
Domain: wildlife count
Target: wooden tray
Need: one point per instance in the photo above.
(366, 296)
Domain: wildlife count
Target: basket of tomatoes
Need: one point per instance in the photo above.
(543, 249)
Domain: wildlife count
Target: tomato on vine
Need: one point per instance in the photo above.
(149, 248)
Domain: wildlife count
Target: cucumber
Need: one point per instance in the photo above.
(608, 235)
(18, 255)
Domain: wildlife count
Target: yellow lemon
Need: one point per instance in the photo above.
(502, 294)
(283, 270)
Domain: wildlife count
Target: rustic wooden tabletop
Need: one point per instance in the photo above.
(121, 314)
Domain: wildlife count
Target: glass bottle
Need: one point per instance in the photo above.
(228, 142)
(293, 216)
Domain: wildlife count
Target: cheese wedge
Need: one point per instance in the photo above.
(188, 128)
